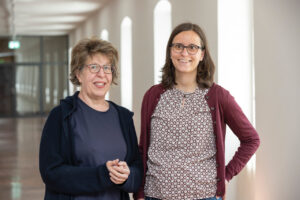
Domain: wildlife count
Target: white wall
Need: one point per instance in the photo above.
(204, 13)
(277, 71)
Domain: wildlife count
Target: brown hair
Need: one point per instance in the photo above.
(86, 48)
(206, 67)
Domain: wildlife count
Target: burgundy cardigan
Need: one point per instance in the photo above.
(224, 110)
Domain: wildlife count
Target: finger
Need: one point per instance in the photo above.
(112, 162)
(117, 180)
(121, 169)
(112, 170)
(119, 175)
(114, 181)
(109, 164)
(122, 163)
(123, 174)
(115, 162)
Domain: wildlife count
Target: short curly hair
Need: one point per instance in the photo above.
(87, 48)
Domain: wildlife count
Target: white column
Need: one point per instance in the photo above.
(235, 59)
(126, 63)
(105, 36)
(162, 31)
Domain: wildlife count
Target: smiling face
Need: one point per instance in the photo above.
(94, 86)
(185, 62)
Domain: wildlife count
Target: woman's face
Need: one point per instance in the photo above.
(184, 62)
(95, 85)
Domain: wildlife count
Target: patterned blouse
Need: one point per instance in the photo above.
(181, 157)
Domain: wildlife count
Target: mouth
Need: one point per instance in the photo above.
(184, 60)
(100, 84)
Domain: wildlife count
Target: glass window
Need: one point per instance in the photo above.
(6, 54)
(162, 31)
(54, 84)
(29, 51)
(27, 89)
(34, 77)
(7, 88)
(56, 48)
(105, 36)
(126, 63)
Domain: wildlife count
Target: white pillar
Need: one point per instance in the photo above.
(235, 70)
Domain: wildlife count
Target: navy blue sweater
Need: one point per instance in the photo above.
(62, 177)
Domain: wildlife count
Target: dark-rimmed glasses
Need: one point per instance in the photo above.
(95, 68)
(191, 49)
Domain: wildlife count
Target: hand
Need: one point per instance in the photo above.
(111, 163)
(141, 199)
(224, 196)
(118, 171)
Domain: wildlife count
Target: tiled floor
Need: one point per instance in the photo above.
(19, 173)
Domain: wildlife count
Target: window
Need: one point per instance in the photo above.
(162, 31)
(104, 35)
(126, 63)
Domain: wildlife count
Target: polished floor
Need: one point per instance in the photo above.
(19, 173)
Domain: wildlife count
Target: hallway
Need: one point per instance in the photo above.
(19, 144)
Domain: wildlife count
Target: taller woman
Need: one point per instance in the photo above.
(183, 120)
(89, 147)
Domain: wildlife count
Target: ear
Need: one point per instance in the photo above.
(78, 76)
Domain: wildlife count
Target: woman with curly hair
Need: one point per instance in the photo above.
(89, 148)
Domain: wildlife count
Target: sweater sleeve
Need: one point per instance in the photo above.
(143, 143)
(242, 128)
(135, 165)
(57, 174)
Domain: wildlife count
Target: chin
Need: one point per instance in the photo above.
(187, 71)
(100, 95)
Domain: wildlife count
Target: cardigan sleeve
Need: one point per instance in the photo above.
(57, 174)
(243, 129)
(135, 165)
(143, 143)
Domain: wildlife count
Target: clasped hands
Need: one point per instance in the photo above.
(118, 171)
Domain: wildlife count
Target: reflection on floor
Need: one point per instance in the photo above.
(19, 173)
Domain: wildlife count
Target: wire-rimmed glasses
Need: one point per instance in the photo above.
(95, 68)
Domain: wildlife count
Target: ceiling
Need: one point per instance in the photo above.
(44, 17)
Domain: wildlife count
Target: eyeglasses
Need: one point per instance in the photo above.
(95, 68)
(191, 49)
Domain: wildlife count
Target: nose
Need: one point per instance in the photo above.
(101, 72)
(185, 52)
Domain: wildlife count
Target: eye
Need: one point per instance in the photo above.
(193, 47)
(106, 68)
(93, 67)
(178, 46)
